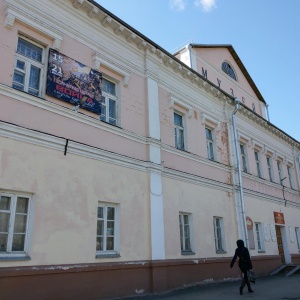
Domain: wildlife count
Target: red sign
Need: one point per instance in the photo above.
(279, 217)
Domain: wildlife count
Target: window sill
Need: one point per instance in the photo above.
(14, 258)
(108, 255)
(261, 251)
(221, 252)
(187, 253)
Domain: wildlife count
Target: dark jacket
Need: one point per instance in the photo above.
(242, 253)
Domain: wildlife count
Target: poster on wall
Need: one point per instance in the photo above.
(73, 82)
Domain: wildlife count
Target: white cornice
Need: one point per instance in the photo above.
(31, 136)
(121, 31)
(99, 59)
(34, 13)
(183, 104)
(72, 147)
(265, 125)
(25, 15)
(194, 157)
(198, 180)
(68, 113)
(205, 118)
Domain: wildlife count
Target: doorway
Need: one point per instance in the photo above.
(280, 244)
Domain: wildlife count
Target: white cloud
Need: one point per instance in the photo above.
(177, 4)
(207, 5)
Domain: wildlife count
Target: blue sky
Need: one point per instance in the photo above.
(264, 33)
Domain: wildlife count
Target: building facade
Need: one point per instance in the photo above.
(126, 169)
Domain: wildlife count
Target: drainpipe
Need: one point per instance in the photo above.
(242, 205)
(267, 109)
(298, 171)
(190, 54)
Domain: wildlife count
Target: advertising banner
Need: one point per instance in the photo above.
(73, 82)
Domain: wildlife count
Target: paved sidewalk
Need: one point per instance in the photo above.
(266, 288)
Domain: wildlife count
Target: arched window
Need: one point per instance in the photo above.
(228, 70)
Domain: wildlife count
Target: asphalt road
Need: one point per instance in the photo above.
(266, 288)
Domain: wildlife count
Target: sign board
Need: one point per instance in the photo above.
(73, 82)
(279, 217)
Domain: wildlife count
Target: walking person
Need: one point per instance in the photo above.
(245, 264)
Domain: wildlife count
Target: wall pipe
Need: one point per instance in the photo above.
(243, 215)
(267, 109)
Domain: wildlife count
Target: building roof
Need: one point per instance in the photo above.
(228, 46)
(239, 63)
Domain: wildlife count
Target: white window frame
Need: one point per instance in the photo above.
(115, 252)
(186, 233)
(297, 232)
(219, 235)
(259, 237)
(289, 171)
(279, 169)
(177, 130)
(105, 98)
(244, 158)
(28, 62)
(10, 254)
(258, 163)
(210, 143)
(270, 168)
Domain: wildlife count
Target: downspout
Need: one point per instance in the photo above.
(237, 106)
(190, 55)
(267, 109)
(298, 171)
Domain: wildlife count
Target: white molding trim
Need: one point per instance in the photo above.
(13, 13)
(205, 118)
(68, 113)
(195, 179)
(99, 59)
(279, 156)
(194, 157)
(244, 139)
(257, 146)
(266, 150)
(173, 100)
(59, 143)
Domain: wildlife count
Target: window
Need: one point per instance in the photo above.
(270, 168)
(297, 231)
(228, 70)
(107, 241)
(244, 158)
(14, 210)
(279, 172)
(28, 67)
(179, 131)
(108, 102)
(219, 234)
(185, 232)
(258, 165)
(259, 237)
(209, 143)
(289, 170)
